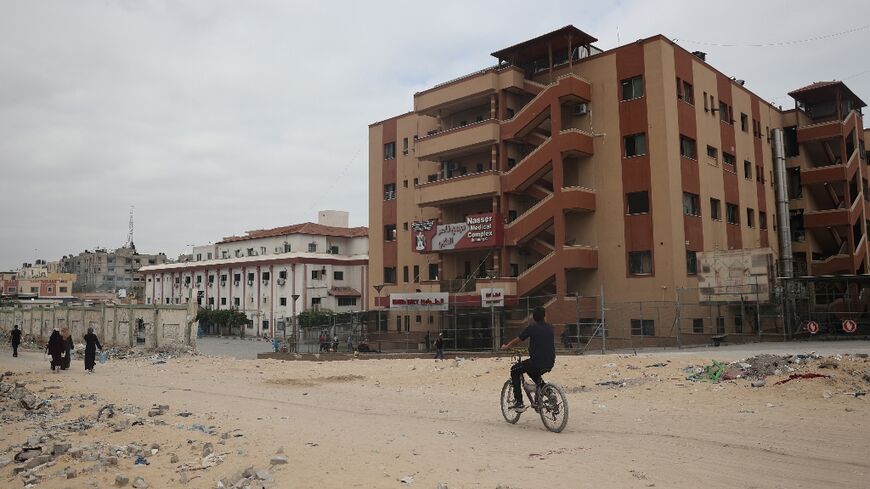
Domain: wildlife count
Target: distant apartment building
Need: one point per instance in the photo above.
(272, 275)
(565, 170)
(109, 271)
(37, 281)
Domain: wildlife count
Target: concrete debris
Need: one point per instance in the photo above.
(264, 475)
(121, 480)
(757, 383)
(207, 449)
(278, 460)
(139, 483)
(407, 480)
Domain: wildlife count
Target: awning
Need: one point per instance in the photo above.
(344, 292)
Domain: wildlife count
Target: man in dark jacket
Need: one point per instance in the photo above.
(542, 355)
(92, 344)
(15, 339)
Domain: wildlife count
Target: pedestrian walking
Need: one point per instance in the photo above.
(55, 349)
(15, 339)
(67, 348)
(322, 341)
(439, 347)
(335, 343)
(92, 344)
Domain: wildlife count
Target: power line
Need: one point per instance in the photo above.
(777, 44)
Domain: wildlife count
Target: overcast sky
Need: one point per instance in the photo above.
(216, 117)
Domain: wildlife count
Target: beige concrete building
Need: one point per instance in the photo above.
(38, 281)
(109, 271)
(566, 171)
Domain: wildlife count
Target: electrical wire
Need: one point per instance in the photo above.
(777, 44)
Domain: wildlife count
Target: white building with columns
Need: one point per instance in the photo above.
(272, 274)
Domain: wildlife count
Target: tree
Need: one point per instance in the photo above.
(225, 319)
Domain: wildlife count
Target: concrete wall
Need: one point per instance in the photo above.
(114, 325)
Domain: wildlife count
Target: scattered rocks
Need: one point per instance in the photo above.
(278, 460)
(139, 483)
(263, 475)
(60, 449)
(121, 480)
(757, 383)
(207, 449)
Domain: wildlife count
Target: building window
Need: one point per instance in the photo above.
(688, 148)
(433, 271)
(389, 275)
(63, 290)
(390, 151)
(281, 274)
(744, 122)
(211, 301)
(346, 301)
(404, 146)
(720, 325)
(715, 209)
(250, 276)
(687, 94)
(732, 215)
(712, 152)
(762, 219)
(337, 275)
(282, 301)
(747, 170)
(637, 202)
(390, 232)
(635, 145)
(723, 112)
(643, 327)
(265, 276)
(399, 323)
(738, 324)
(790, 141)
(691, 204)
(237, 277)
(750, 217)
(315, 274)
(312, 247)
(640, 262)
(315, 301)
(416, 274)
(223, 301)
(698, 325)
(691, 262)
(632, 88)
(405, 274)
(390, 191)
(728, 159)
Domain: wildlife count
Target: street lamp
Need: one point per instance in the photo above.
(295, 329)
(491, 273)
(378, 289)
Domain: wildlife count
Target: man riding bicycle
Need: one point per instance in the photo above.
(542, 355)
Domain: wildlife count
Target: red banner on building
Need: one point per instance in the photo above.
(478, 231)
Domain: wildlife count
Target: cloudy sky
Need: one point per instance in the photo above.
(213, 117)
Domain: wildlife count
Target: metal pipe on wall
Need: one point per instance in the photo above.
(785, 253)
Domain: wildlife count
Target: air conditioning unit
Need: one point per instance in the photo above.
(211, 284)
(223, 283)
(236, 282)
(281, 281)
(250, 282)
(581, 109)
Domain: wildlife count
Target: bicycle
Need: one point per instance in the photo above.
(545, 398)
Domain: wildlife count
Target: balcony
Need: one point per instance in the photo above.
(458, 140)
(483, 82)
(822, 174)
(826, 130)
(833, 217)
(833, 264)
(467, 187)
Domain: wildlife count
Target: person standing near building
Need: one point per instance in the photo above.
(349, 344)
(92, 344)
(67, 348)
(15, 339)
(439, 347)
(55, 349)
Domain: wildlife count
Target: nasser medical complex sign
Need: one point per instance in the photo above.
(478, 231)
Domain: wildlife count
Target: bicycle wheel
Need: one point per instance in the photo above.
(554, 408)
(507, 400)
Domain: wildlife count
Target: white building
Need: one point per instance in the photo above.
(272, 274)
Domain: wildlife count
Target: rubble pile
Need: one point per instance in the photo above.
(55, 448)
(154, 354)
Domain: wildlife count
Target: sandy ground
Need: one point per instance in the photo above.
(371, 423)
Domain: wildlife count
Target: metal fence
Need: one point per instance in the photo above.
(593, 323)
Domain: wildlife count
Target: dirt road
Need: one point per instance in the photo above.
(372, 423)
